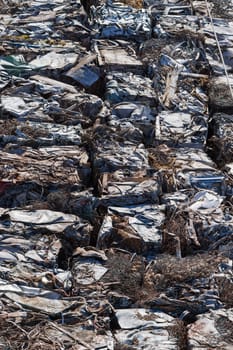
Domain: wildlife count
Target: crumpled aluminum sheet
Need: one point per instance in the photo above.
(26, 104)
(184, 168)
(119, 132)
(115, 57)
(4, 80)
(47, 165)
(53, 60)
(142, 318)
(204, 201)
(27, 291)
(180, 128)
(43, 134)
(119, 21)
(44, 305)
(211, 221)
(180, 92)
(149, 329)
(218, 234)
(89, 105)
(36, 30)
(39, 219)
(174, 24)
(214, 60)
(44, 84)
(30, 266)
(86, 75)
(147, 339)
(128, 87)
(135, 228)
(194, 168)
(81, 203)
(223, 30)
(211, 330)
(17, 106)
(128, 157)
(130, 192)
(175, 8)
(175, 200)
(55, 197)
(87, 271)
(221, 26)
(140, 115)
(15, 65)
(137, 113)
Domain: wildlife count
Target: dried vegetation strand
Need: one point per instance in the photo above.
(14, 337)
(127, 275)
(169, 271)
(179, 331)
(134, 3)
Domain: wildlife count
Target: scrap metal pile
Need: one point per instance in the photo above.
(116, 162)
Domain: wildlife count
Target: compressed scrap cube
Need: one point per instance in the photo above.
(113, 156)
(184, 168)
(119, 21)
(135, 228)
(57, 165)
(128, 87)
(180, 129)
(116, 189)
